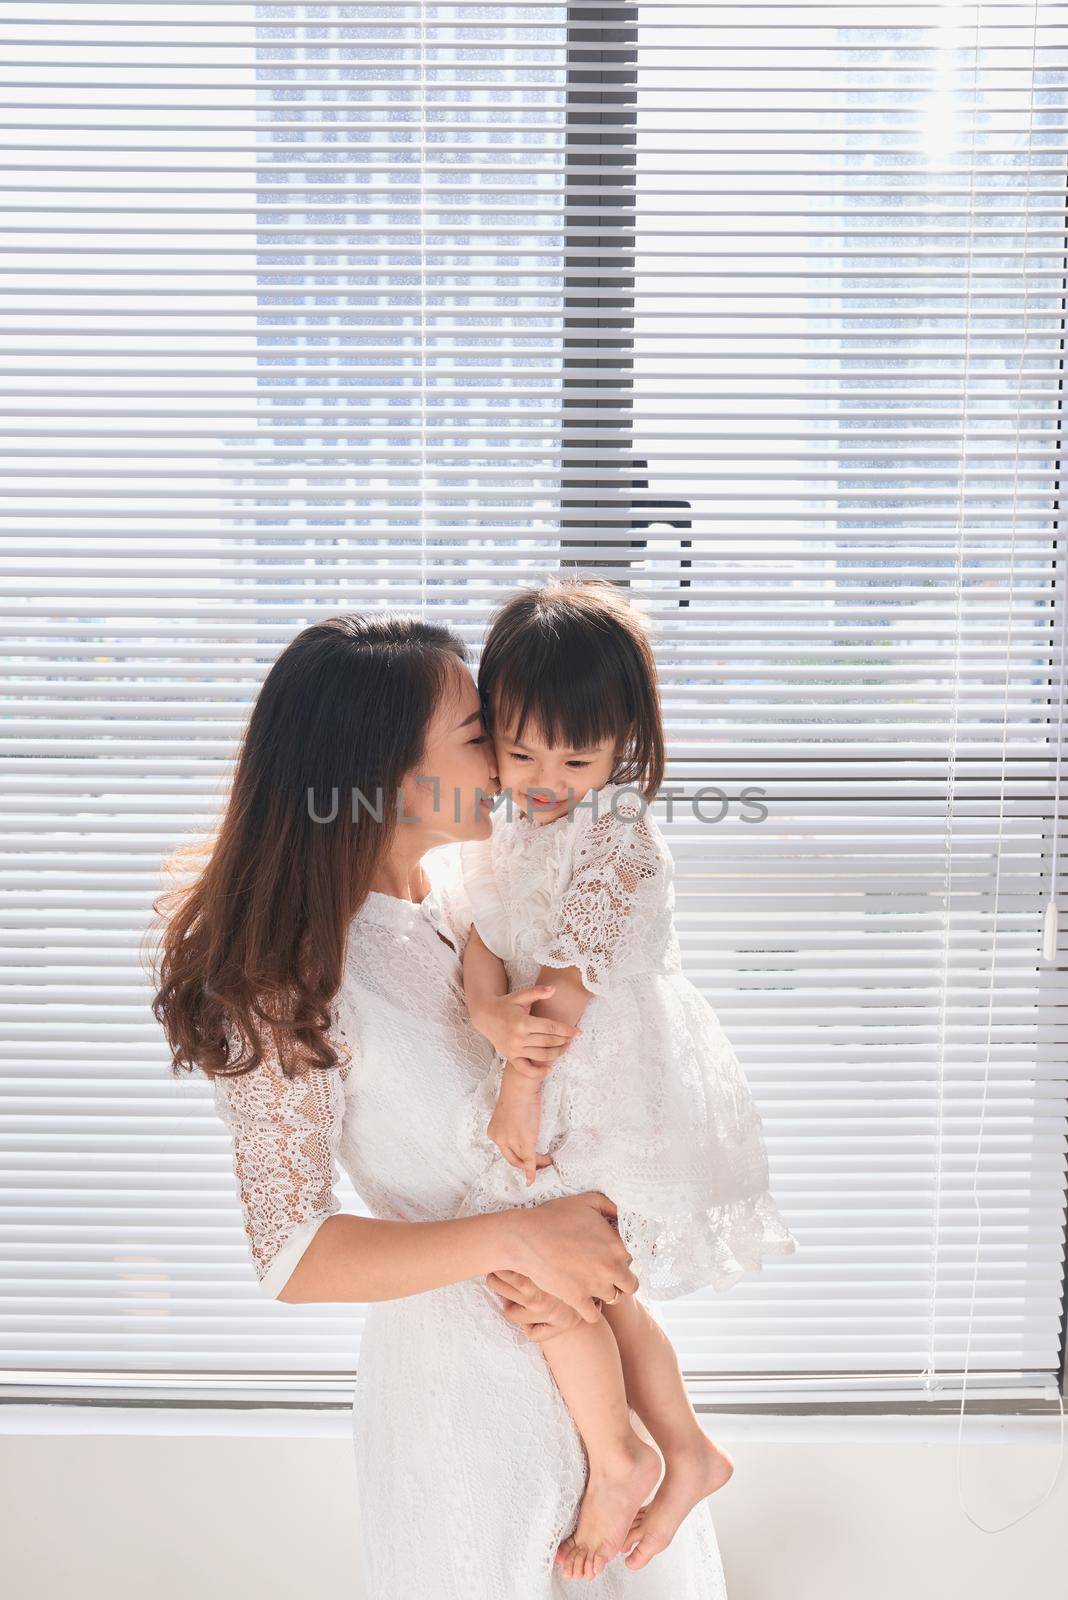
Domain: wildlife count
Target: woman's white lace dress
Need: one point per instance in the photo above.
(469, 1468)
(650, 1104)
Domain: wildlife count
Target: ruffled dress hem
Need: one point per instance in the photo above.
(675, 1251)
(675, 1257)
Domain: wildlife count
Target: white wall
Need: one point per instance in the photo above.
(145, 1504)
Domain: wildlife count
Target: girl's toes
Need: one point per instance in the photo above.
(635, 1529)
(648, 1546)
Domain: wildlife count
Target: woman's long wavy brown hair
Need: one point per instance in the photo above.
(254, 945)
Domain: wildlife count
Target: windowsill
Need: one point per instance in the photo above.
(43, 1418)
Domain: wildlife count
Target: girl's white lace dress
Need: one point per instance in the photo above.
(650, 1104)
(469, 1469)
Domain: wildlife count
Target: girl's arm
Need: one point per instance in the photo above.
(505, 1019)
(485, 979)
(619, 866)
(565, 997)
(516, 1120)
(527, 1045)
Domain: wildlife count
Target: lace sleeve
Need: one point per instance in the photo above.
(619, 875)
(285, 1135)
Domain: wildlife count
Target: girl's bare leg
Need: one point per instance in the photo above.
(693, 1466)
(623, 1469)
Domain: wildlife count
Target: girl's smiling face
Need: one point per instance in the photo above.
(543, 778)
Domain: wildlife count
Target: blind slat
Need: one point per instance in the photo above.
(756, 309)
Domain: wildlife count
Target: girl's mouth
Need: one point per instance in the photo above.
(540, 803)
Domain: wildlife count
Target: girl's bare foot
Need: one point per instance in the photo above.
(613, 1494)
(689, 1476)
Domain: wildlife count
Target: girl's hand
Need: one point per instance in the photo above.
(515, 1122)
(506, 1022)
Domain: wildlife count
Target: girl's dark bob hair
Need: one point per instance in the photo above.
(573, 657)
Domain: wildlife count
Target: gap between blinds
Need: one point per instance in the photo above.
(1050, 919)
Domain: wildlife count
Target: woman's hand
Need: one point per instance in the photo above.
(540, 1316)
(506, 1021)
(571, 1250)
(514, 1124)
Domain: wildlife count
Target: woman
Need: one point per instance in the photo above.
(313, 970)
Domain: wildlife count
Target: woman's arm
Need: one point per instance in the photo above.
(565, 1245)
(364, 1258)
(285, 1136)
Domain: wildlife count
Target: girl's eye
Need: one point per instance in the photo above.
(517, 755)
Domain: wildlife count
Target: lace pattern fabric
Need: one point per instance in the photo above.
(650, 1105)
(459, 1431)
(613, 916)
(285, 1133)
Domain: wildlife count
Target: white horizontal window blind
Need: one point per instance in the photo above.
(757, 310)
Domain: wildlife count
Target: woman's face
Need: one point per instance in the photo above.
(450, 792)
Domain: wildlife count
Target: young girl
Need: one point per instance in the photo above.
(573, 894)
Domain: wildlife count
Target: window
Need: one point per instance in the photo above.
(758, 310)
